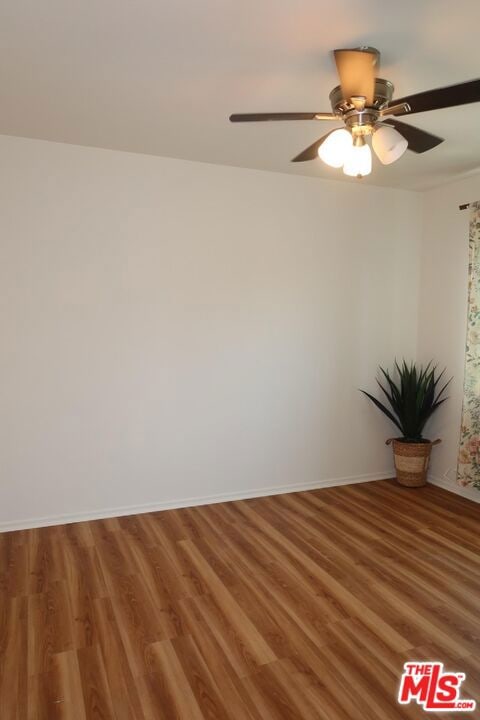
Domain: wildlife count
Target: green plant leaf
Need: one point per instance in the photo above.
(382, 407)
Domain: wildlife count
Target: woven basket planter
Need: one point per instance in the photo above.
(411, 461)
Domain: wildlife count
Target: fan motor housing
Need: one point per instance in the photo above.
(383, 95)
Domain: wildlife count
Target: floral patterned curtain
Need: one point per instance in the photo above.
(469, 454)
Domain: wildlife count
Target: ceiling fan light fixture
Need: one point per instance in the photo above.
(365, 103)
(389, 144)
(335, 148)
(358, 162)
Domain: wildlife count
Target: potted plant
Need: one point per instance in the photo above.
(413, 397)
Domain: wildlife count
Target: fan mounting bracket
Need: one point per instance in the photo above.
(372, 51)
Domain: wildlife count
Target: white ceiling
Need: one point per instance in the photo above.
(162, 76)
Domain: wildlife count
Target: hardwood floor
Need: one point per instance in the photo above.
(292, 607)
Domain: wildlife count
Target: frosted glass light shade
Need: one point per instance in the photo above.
(388, 144)
(335, 148)
(358, 161)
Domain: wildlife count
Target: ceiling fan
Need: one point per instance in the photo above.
(363, 102)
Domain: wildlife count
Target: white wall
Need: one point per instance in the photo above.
(443, 312)
(175, 330)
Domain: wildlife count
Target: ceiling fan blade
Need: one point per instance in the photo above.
(262, 117)
(451, 96)
(356, 70)
(311, 152)
(418, 140)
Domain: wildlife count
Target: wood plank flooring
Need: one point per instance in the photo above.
(295, 607)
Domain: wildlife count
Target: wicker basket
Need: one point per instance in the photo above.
(411, 461)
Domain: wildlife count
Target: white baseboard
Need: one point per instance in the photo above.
(9, 525)
(466, 492)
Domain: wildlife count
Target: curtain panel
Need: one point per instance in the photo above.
(468, 471)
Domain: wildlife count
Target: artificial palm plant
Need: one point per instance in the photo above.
(413, 396)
